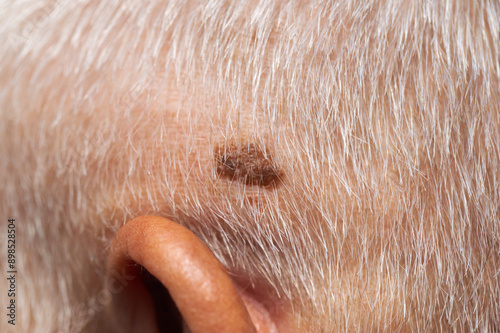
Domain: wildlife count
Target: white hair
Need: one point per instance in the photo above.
(383, 117)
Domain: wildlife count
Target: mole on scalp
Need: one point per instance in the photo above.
(247, 163)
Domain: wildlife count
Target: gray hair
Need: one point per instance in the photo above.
(380, 118)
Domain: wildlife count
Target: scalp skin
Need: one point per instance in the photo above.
(383, 115)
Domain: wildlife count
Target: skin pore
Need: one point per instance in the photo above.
(330, 166)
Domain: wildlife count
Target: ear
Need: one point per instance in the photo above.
(197, 286)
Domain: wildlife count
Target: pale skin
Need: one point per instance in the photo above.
(252, 166)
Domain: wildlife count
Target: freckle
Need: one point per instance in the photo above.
(247, 163)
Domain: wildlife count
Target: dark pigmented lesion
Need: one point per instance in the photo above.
(248, 163)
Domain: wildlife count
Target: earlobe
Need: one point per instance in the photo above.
(198, 284)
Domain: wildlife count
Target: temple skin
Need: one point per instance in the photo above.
(339, 159)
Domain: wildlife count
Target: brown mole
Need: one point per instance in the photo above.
(247, 163)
